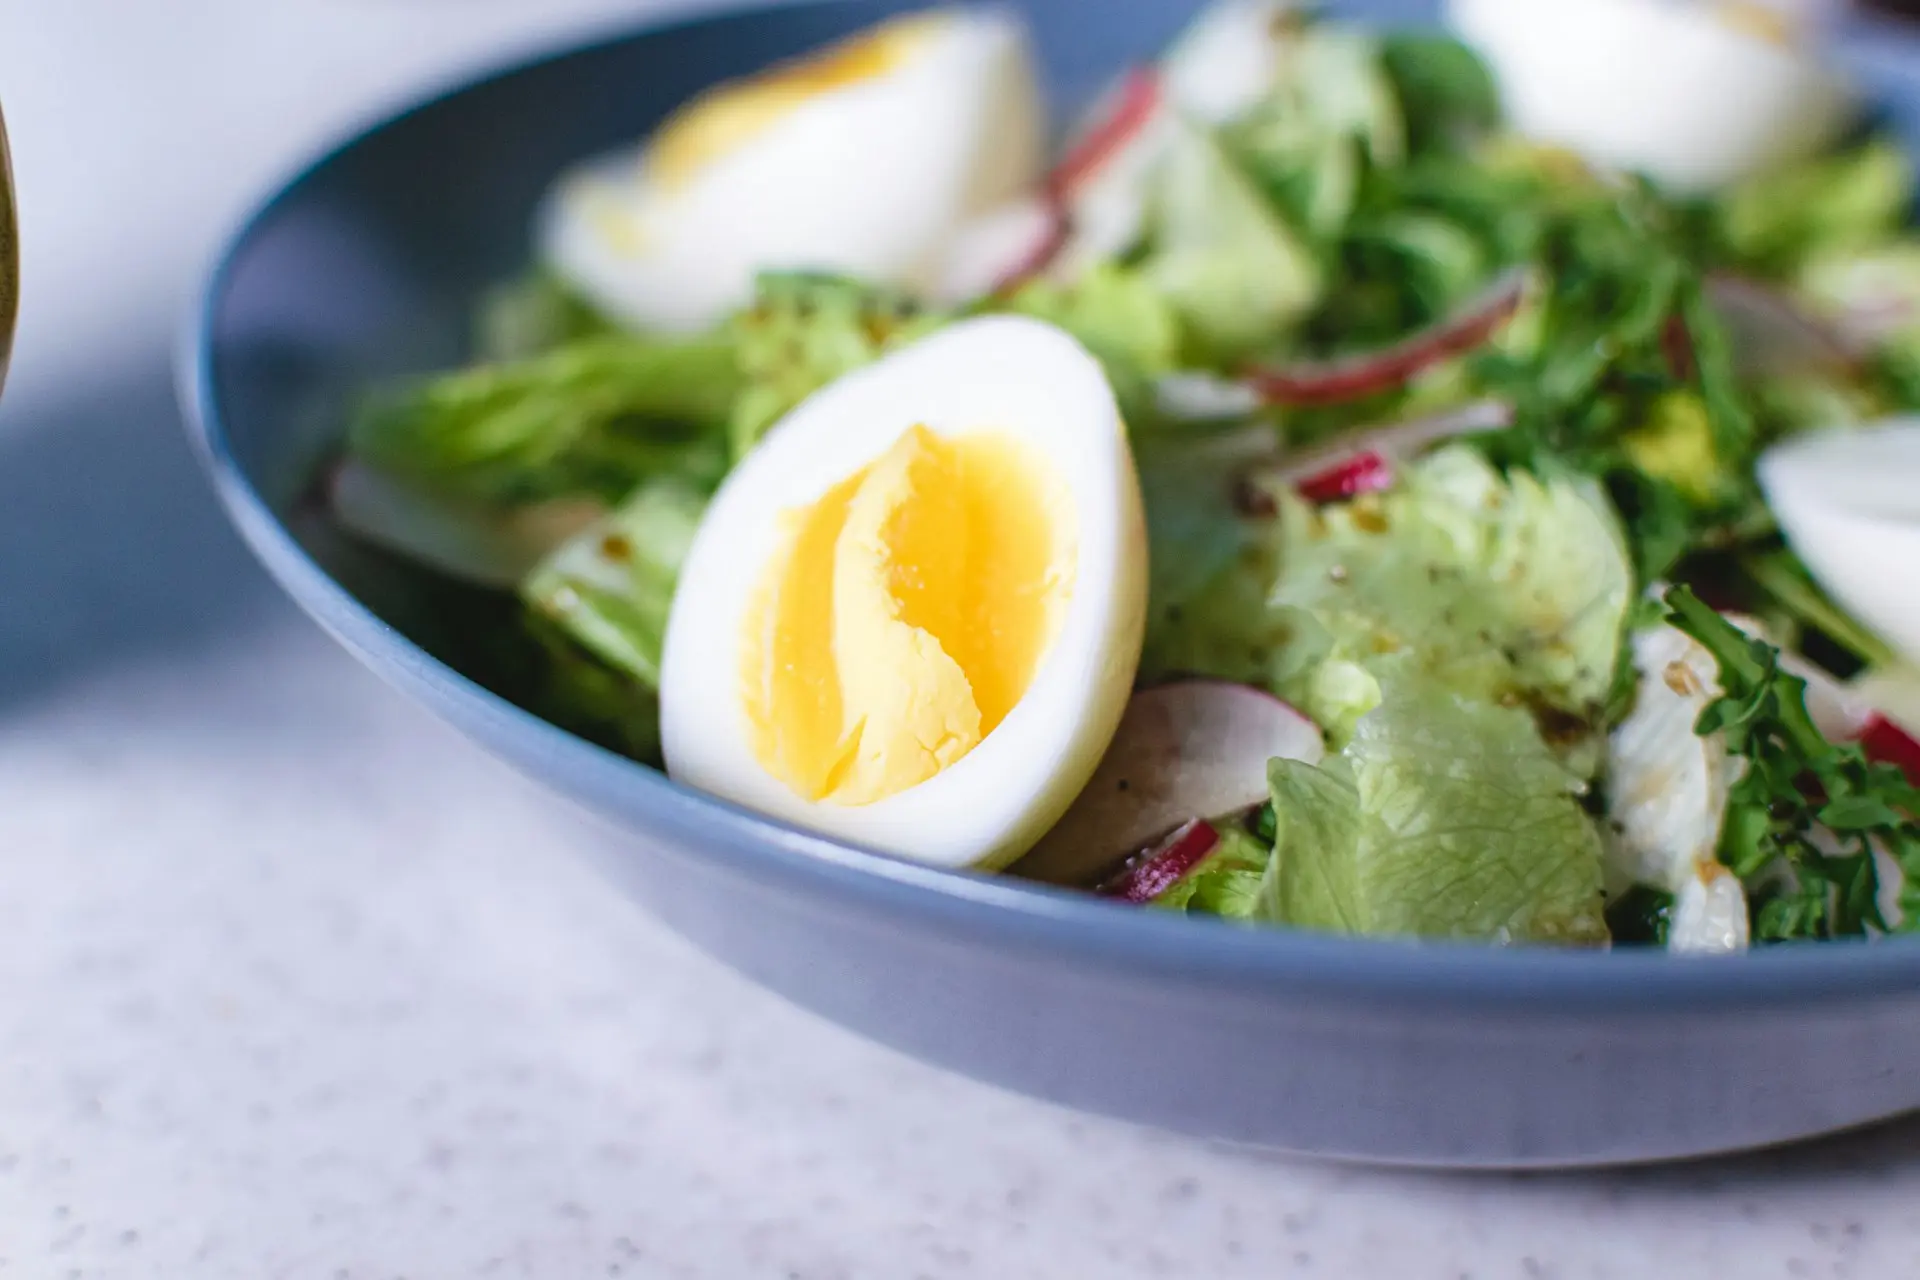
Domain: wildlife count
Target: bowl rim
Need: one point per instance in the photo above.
(984, 907)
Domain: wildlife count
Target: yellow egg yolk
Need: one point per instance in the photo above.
(905, 615)
(720, 120)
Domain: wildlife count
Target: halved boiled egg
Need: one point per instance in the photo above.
(1849, 502)
(861, 159)
(1694, 93)
(911, 616)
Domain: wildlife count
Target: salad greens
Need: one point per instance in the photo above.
(1807, 816)
(1360, 254)
(1444, 816)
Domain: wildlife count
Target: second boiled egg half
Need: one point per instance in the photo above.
(911, 616)
(862, 158)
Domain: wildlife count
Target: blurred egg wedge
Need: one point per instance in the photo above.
(1692, 93)
(862, 158)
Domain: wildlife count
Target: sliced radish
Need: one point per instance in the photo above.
(1771, 332)
(1160, 868)
(1190, 749)
(1192, 396)
(1363, 461)
(1888, 743)
(1321, 382)
(494, 546)
(1000, 251)
(1367, 472)
(1123, 117)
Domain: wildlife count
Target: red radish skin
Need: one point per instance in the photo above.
(1362, 473)
(1162, 867)
(1363, 461)
(1888, 743)
(1133, 109)
(1309, 384)
(1040, 256)
(1188, 749)
(1134, 106)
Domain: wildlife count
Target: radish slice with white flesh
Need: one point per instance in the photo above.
(1190, 749)
(1125, 113)
(1364, 461)
(1162, 867)
(997, 253)
(1100, 185)
(1000, 251)
(1888, 743)
(1321, 382)
(1367, 472)
(1772, 333)
(1191, 396)
(493, 546)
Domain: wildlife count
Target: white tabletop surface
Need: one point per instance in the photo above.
(295, 983)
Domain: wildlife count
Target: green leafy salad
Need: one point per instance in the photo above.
(1466, 613)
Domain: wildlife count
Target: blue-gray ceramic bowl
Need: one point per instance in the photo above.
(367, 263)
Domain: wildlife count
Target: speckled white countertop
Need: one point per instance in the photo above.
(294, 983)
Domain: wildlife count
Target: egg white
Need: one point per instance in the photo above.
(1849, 503)
(1002, 374)
(868, 178)
(1672, 90)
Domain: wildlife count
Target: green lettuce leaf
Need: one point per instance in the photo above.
(1226, 883)
(531, 315)
(804, 330)
(597, 415)
(1497, 587)
(1836, 202)
(609, 588)
(1447, 95)
(1444, 817)
(1237, 275)
(1123, 320)
(1510, 588)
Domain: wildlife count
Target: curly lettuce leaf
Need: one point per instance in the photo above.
(1123, 320)
(609, 588)
(804, 330)
(1444, 817)
(1498, 587)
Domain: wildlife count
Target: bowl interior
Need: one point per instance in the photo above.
(368, 264)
